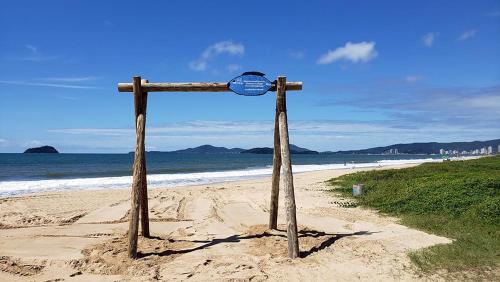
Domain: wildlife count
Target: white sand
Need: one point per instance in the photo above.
(203, 233)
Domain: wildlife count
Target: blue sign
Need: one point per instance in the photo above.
(250, 84)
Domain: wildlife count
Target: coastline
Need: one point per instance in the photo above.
(219, 229)
(24, 187)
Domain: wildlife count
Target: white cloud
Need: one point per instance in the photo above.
(296, 54)
(33, 58)
(198, 65)
(56, 85)
(201, 127)
(250, 129)
(67, 97)
(94, 131)
(489, 103)
(494, 14)
(32, 54)
(233, 67)
(354, 52)
(467, 34)
(32, 48)
(429, 38)
(72, 79)
(56, 82)
(413, 78)
(214, 50)
(315, 134)
(223, 47)
(33, 143)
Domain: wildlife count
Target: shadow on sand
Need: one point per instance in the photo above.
(330, 240)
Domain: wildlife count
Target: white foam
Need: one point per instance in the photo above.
(9, 188)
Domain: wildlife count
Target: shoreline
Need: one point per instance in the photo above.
(26, 187)
(259, 178)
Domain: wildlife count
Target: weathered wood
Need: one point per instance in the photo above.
(137, 171)
(144, 181)
(194, 87)
(275, 183)
(291, 219)
(281, 157)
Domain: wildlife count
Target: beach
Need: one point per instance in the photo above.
(208, 232)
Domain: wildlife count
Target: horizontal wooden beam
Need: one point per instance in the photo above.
(194, 87)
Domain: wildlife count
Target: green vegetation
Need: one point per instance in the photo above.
(459, 200)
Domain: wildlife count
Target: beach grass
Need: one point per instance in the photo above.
(459, 200)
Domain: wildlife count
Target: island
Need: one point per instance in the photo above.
(42, 150)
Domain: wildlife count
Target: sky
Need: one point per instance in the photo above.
(375, 72)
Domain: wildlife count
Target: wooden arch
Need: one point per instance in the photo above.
(281, 156)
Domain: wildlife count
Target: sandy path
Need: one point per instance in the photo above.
(203, 233)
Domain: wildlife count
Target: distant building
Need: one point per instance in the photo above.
(392, 151)
(478, 151)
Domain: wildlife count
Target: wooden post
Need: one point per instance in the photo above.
(291, 219)
(138, 170)
(144, 182)
(280, 107)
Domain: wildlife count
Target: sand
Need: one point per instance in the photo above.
(215, 232)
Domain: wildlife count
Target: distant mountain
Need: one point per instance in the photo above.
(209, 149)
(42, 150)
(299, 150)
(203, 149)
(425, 148)
(266, 150)
(258, 150)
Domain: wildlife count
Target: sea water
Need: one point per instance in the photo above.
(26, 173)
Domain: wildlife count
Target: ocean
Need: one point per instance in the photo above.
(27, 173)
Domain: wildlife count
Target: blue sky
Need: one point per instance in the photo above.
(374, 72)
